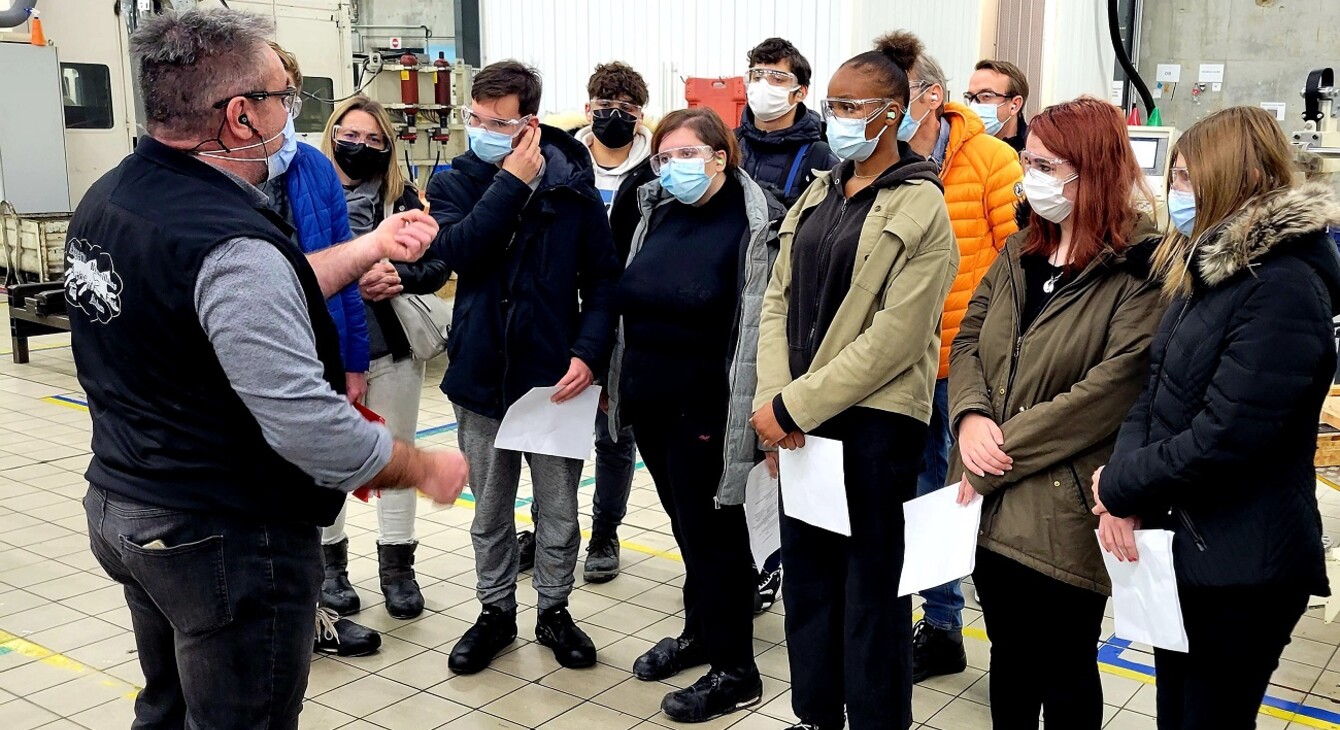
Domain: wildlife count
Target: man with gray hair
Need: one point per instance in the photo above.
(220, 439)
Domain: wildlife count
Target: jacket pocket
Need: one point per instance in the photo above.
(187, 582)
(1079, 489)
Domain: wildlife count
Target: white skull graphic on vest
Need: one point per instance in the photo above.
(91, 281)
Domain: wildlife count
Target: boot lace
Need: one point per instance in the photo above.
(325, 625)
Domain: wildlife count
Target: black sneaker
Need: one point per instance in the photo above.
(669, 657)
(525, 542)
(492, 632)
(718, 693)
(572, 647)
(342, 637)
(769, 587)
(936, 652)
(602, 559)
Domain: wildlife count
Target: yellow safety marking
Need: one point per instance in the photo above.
(18, 645)
(1328, 482)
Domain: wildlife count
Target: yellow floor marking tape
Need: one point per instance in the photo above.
(18, 645)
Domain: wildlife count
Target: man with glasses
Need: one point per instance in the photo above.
(221, 436)
(782, 141)
(620, 145)
(980, 176)
(997, 93)
(525, 230)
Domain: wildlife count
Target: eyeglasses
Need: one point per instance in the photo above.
(373, 140)
(1044, 165)
(986, 97)
(854, 108)
(626, 107)
(696, 152)
(509, 127)
(1181, 179)
(772, 76)
(288, 97)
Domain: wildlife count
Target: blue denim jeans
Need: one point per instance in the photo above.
(224, 611)
(944, 604)
(615, 464)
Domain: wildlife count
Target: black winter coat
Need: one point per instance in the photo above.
(535, 274)
(1219, 448)
(769, 157)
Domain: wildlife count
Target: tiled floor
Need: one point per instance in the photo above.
(67, 657)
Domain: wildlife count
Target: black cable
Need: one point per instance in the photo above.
(1114, 28)
(224, 3)
(366, 83)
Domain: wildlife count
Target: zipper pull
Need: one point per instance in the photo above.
(1018, 346)
(716, 502)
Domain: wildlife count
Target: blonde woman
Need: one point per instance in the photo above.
(360, 140)
(1219, 447)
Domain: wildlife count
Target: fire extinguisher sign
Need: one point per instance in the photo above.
(395, 43)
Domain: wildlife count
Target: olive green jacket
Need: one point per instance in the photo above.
(882, 350)
(1059, 392)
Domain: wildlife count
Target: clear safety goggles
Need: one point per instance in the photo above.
(509, 127)
(696, 152)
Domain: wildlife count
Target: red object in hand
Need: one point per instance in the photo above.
(364, 493)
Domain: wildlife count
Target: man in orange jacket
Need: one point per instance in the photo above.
(981, 176)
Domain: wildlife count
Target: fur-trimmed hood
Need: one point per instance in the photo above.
(1263, 226)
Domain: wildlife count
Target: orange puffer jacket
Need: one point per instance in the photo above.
(982, 177)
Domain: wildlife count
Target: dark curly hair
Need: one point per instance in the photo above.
(776, 50)
(618, 81)
(893, 55)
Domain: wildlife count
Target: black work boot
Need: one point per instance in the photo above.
(525, 543)
(670, 657)
(572, 647)
(602, 558)
(718, 693)
(337, 593)
(396, 563)
(493, 631)
(342, 637)
(936, 652)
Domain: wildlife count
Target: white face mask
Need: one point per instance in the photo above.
(1046, 195)
(769, 102)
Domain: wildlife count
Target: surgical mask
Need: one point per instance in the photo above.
(359, 161)
(990, 115)
(614, 129)
(907, 129)
(1045, 195)
(1182, 211)
(687, 180)
(846, 137)
(769, 102)
(491, 147)
(277, 164)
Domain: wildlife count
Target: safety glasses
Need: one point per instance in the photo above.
(866, 109)
(509, 127)
(696, 152)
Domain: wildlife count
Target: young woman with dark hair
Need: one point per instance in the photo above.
(848, 350)
(683, 375)
(1050, 356)
(1219, 447)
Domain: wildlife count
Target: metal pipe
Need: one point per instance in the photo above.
(17, 14)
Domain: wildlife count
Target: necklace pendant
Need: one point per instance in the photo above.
(1048, 286)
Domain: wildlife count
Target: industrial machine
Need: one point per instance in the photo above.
(1317, 144)
(423, 97)
(1153, 151)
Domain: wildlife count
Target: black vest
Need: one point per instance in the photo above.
(168, 429)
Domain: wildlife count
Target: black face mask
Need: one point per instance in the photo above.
(614, 129)
(361, 162)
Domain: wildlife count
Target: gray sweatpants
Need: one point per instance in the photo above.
(494, 476)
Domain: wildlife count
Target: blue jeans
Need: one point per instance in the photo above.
(224, 610)
(944, 604)
(615, 464)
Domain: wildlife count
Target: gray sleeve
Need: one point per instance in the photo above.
(251, 306)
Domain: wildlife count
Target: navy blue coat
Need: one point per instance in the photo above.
(536, 274)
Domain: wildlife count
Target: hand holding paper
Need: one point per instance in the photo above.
(940, 539)
(814, 485)
(1144, 593)
(537, 425)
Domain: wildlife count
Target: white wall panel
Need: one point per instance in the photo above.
(958, 33)
(1077, 56)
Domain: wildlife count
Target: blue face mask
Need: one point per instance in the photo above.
(846, 137)
(491, 147)
(907, 129)
(687, 180)
(1182, 211)
(278, 163)
(990, 115)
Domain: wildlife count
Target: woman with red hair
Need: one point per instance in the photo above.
(1052, 353)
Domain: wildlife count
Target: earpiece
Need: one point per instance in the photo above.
(243, 119)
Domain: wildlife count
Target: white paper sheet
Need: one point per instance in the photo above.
(537, 425)
(814, 485)
(760, 509)
(941, 539)
(1144, 593)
